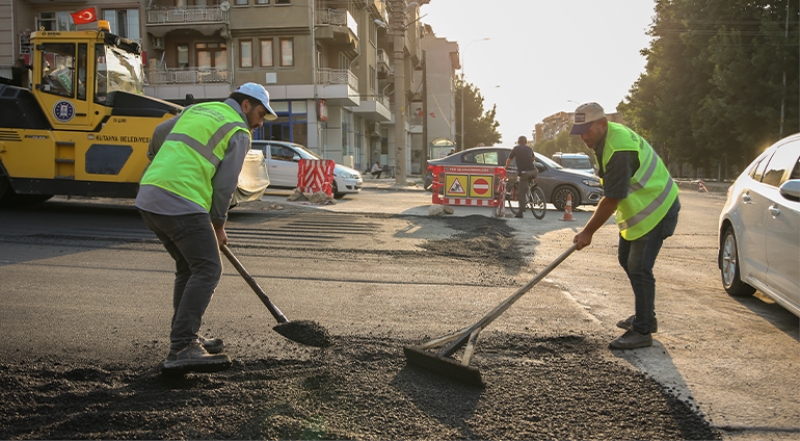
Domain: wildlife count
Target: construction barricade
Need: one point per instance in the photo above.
(315, 175)
(467, 185)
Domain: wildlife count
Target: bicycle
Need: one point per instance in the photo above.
(535, 199)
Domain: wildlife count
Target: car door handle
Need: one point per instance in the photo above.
(774, 210)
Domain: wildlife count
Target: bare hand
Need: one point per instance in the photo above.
(583, 239)
(222, 237)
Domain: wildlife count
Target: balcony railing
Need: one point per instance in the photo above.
(187, 14)
(337, 76)
(337, 17)
(186, 76)
(382, 57)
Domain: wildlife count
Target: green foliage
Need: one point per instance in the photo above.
(713, 86)
(481, 125)
(564, 143)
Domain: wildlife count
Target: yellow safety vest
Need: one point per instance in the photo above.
(652, 191)
(190, 155)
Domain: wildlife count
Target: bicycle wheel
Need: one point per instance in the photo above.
(511, 198)
(537, 203)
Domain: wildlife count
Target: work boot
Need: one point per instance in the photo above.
(632, 340)
(195, 358)
(628, 324)
(211, 345)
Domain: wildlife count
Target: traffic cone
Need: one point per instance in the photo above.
(568, 210)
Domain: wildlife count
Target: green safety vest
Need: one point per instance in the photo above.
(652, 190)
(190, 155)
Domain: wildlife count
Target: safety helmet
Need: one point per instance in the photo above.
(258, 92)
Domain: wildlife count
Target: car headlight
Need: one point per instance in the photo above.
(591, 183)
(344, 174)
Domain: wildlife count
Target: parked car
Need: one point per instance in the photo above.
(759, 227)
(556, 181)
(574, 161)
(282, 158)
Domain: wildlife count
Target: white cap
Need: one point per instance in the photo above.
(584, 116)
(258, 92)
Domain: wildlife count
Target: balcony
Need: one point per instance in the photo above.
(338, 86)
(205, 19)
(385, 67)
(374, 108)
(338, 27)
(186, 76)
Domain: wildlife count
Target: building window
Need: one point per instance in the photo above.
(373, 33)
(183, 56)
(266, 53)
(373, 79)
(242, 2)
(246, 53)
(211, 55)
(55, 21)
(283, 2)
(287, 52)
(262, 2)
(123, 22)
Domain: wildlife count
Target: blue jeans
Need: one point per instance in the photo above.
(637, 258)
(192, 243)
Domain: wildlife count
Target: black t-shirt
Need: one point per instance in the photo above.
(524, 156)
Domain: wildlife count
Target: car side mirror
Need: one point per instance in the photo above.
(296, 158)
(791, 189)
(540, 167)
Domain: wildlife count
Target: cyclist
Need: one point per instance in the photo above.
(526, 170)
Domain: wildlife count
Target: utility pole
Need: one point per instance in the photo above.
(397, 9)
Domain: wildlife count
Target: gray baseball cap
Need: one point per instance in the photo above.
(584, 116)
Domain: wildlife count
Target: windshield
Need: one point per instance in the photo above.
(549, 162)
(582, 162)
(117, 70)
(304, 152)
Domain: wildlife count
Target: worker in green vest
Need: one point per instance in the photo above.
(638, 187)
(184, 198)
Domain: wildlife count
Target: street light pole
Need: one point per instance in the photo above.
(398, 21)
(463, 85)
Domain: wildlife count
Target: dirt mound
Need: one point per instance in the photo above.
(360, 388)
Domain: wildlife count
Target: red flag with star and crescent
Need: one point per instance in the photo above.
(84, 16)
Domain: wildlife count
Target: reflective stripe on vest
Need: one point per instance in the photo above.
(191, 153)
(652, 190)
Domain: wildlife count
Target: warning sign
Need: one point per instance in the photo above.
(480, 186)
(455, 185)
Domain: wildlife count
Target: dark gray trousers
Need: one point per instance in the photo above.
(191, 242)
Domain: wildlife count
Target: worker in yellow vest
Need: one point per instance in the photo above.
(638, 187)
(184, 198)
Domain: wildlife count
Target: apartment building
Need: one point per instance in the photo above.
(552, 125)
(328, 64)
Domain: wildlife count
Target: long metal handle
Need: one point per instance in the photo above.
(488, 318)
(257, 289)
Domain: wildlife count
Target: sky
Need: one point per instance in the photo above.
(543, 54)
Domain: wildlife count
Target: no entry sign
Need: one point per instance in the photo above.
(480, 186)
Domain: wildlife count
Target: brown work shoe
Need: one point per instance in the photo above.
(632, 340)
(195, 358)
(211, 345)
(628, 324)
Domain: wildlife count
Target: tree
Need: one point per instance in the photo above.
(481, 125)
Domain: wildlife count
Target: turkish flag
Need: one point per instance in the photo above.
(84, 16)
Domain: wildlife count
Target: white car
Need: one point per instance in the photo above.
(282, 158)
(759, 227)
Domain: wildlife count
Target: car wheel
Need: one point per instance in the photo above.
(560, 197)
(730, 269)
(335, 190)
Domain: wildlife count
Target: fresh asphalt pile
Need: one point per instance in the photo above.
(538, 386)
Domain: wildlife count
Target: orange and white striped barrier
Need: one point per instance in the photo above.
(315, 175)
(701, 186)
(568, 210)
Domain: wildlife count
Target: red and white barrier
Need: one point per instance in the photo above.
(315, 175)
(471, 186)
